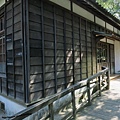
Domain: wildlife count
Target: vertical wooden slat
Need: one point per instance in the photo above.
(99, 85)
(43, 52)
(80, 49)
(73, 104)
(13, 54)
(28, 48)
(51, 112)
(109, 56)
(55, 51)
(96, 55)
(73, 49)
(5, 26)
(92, 66)
(108, 80)
(86, 48)
(64, 33)
(94, 47)
(95, 44)
(88, 93)
(25, 50)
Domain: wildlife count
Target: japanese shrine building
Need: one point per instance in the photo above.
(48, 45)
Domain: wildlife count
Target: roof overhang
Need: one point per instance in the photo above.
(100, 35)
(99, 11)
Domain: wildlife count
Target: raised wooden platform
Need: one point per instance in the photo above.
(106, 107)
(114, 76)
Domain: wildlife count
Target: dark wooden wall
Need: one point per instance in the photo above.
(62, 49)
(46, 52)
(2, 80)
(12, 85)
(14, 49)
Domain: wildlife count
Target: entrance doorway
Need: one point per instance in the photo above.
(105, 56)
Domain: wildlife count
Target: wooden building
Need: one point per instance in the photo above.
(48, 45)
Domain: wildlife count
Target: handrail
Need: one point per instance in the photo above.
(97, 78)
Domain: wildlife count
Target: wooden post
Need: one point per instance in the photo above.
(51, 112)
(108, 80)
(88, 92)
(73, 104)
(99, 85)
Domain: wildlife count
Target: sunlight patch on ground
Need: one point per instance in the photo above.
(101, 104)
(106, 107)
(115, 118)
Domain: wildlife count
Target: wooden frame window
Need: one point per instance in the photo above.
(2, 48)
(2, 55)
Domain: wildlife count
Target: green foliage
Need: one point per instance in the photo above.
(113, 6)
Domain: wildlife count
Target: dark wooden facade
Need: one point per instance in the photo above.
(12, 84)
(61, 49)
(48, 48)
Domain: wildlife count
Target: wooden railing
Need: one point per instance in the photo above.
(81, 94)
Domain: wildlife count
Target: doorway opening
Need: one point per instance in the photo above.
(105, 56)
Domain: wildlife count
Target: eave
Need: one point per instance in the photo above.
(99, 11)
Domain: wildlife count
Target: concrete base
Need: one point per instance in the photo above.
(11, 107)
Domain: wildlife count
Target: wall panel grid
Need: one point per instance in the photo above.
(12, 85)
(61, 50)
(63, 41)
(47, 52)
